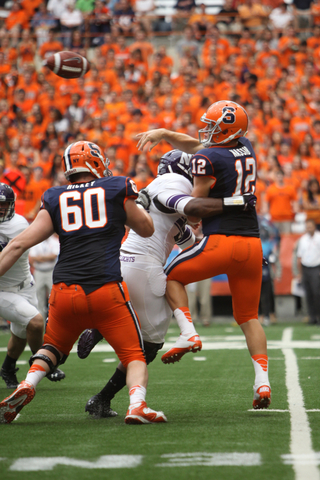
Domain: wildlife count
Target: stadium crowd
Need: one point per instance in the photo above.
(263, 55)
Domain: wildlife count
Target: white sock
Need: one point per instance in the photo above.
(260, 364)
(184, 321)
(36, 374)
(137, 394)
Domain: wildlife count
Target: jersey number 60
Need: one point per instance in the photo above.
(73, 216)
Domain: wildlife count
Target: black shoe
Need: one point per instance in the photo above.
(87, 340)
(9, 376)
(56, 375)
(99, 408)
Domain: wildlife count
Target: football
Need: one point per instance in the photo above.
(67, 64)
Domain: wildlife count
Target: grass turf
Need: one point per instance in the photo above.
(206, 403)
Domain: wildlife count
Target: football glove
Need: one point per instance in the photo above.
(250, 201)
(143, 199)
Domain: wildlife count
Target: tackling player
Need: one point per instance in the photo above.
(142, 267)
(18, 298)
(223, 165)
(89, 215)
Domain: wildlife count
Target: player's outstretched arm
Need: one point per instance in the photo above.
(178, 140)
(40, 229)
(138, 219)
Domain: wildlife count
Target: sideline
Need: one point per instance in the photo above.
(302, 457)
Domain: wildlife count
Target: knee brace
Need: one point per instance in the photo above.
(151, 350)
(46, 359)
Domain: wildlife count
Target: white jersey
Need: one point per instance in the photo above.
(20, 271)
(169, 225)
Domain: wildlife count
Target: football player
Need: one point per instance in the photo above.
(142, 267)
(223, 165)
(18, 298)
(89, 215)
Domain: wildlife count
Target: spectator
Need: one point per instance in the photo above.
(311, 202)
(144, 10)
(17, 17)
(124, 16)
(187, 45)
(56, 8)
(227, 17)
(99, 21)
(271, 269)
(71, 19)
(281, 17)
(184, 8)
(308, 255)
(253, 15)
(282, 203)
(42, 22)
(51, 46)
(302, 12)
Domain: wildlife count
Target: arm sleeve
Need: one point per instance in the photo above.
(187, 238)
(173, 201)
(176, 194)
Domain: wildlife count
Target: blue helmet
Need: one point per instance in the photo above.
(175, 161)
(7, 201)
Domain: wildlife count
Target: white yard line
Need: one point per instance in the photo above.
(303, 458)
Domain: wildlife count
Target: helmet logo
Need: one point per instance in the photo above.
(228, 115)
(95, 152)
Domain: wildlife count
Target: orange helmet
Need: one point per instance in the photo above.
(85, 157)
(225, 121)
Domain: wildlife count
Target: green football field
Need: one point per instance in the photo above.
(212, 431)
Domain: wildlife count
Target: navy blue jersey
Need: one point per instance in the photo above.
(233, 170)
(89, 219)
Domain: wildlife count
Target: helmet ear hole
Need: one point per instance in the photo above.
(96, 164)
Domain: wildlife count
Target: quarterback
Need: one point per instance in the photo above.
(223, 165)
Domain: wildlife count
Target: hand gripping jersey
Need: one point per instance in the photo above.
(20, 271)
(89, 219)
(233, 170)
(169, 225)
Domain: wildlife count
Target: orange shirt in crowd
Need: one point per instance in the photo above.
(17, 18)
(280, 202)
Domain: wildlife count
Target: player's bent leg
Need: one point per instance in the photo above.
(87, 341)
(189, 340)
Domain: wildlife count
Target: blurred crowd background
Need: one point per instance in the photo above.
(161, 63)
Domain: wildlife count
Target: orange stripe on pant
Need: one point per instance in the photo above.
(71, 311)
(238, 257)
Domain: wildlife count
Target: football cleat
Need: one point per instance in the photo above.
(261, 397)
(87, 341)
(139, 413)
(99, 408)
(9, 376)
(12, 405)
(56, 375)
(183, 345)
